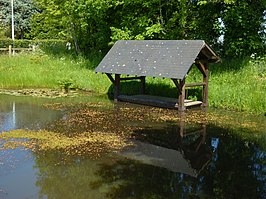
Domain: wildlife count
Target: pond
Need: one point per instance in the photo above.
(89, 147)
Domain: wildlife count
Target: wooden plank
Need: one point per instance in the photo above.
(192, 103)
(158, 101)
(195, 84)
(149, 100)
(129, 78)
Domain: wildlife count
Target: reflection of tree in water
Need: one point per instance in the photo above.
(145, 181)
(63, 177)
(236, 171)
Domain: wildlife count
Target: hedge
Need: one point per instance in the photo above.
(24, 43)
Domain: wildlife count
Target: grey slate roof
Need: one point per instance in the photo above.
(155, 58)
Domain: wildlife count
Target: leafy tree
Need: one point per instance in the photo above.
(93, 24)
(23, 10)
(243, 33)
(83, 22)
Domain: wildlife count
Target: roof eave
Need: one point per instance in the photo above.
(212, 57)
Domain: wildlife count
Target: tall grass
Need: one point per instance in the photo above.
(239, 84)
(235, 84)
(43, 71)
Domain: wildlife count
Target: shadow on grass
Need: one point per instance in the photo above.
(229, 65)
(164, 90)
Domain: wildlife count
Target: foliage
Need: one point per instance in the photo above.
(23, 10)
(25, 43)
(72, 20)
(244, 32)
(240, 23)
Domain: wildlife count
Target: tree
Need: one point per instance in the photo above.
(82, 21)
(243, 33)
(93, 24)
(23, 10)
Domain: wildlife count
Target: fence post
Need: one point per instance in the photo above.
(33, 48)
(9, 50)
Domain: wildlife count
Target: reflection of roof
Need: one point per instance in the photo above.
(159, 156)
(155, 58)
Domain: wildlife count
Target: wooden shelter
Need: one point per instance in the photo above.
(158, 58)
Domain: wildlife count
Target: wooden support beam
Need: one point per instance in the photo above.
(110, 77)
(212, 56)
(130, 78)
(176, 83)
(142, 85)
(195, 84)
(181, 95)
(116, 87)
(202, 68)
(202, 61)
(205, 87)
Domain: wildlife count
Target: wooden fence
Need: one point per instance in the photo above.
(11, 50)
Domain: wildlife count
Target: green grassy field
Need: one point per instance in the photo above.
(237, 84)
(43, 71)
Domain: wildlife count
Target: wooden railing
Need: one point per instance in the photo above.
(11, 50)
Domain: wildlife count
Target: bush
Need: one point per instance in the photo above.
(24, 43)
(4, 43)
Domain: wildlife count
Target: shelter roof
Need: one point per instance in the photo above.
(156, 58)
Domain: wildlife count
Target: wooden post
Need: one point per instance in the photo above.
(178, 89)
(116, 87)
(142, 82)
(10, 50)
(205, 87)
(181, 95)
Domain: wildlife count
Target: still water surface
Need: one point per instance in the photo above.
(167, 160)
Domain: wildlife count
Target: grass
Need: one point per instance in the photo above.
(43, 71)
(237, 84)
(240, 85)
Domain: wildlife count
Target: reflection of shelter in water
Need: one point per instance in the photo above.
(188, 153)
